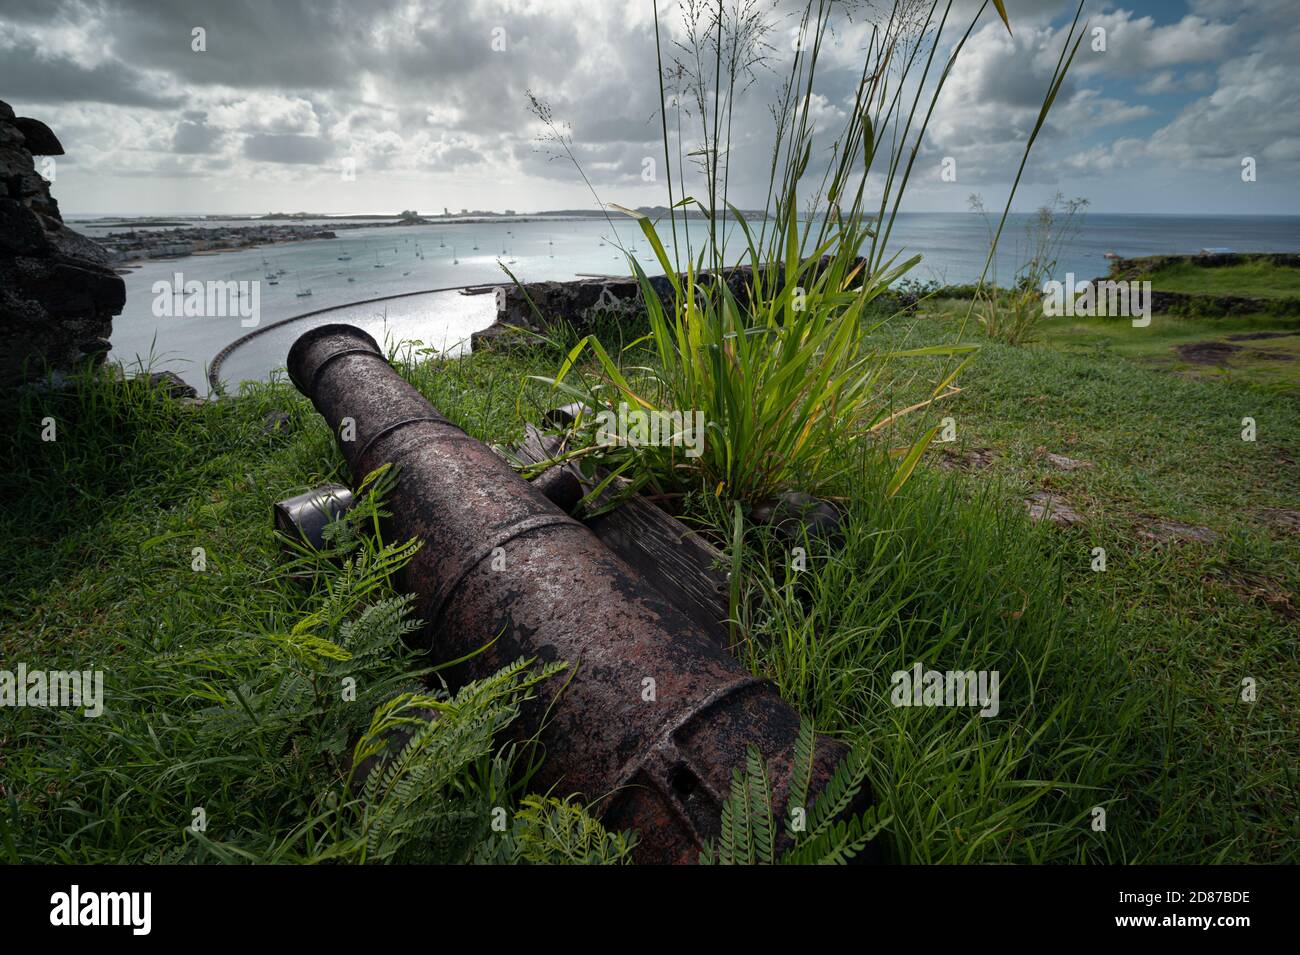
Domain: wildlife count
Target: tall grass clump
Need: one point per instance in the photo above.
(772, 341)
(947, 576)
(1011, 315)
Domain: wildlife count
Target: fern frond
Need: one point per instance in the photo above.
(801, 774)
(762, 832)
(747, 834)
(840, 792)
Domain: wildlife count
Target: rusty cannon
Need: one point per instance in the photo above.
(653, 715)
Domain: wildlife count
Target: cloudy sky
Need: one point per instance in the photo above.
(425, 101)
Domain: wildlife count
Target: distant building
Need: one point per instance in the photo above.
(171, 250)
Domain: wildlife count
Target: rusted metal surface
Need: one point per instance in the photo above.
(672, 558)
(654, 715)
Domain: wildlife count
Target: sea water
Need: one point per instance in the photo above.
(377, 261)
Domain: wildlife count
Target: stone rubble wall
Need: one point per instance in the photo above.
(58, 293)
(535, 306)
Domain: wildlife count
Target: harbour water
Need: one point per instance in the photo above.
(377, 261)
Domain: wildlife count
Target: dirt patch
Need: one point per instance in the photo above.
(1262, 355)
(1176, 532)
(1257, 589)
(1060, 461)
(1206, 353)
(1257, 336)
(976, 460)
(1046, 506)
(1217, 353)
(1280, 518)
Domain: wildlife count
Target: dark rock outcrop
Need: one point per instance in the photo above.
(168, 383)
(539, 305)
(58, 294)
(797, 518)
(41, 140)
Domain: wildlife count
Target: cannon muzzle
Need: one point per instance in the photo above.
(654, 715)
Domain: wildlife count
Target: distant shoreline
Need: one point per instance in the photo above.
(364, 221)
(336, 222)
(131, 264)
(196, 221)
(142, 235)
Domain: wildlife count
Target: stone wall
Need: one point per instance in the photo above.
(1138, 268)
(58, 294)
(537, 305)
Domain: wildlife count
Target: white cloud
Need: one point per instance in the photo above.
(260, 112)
(1136, 45)
(413, 91)
(1255, 104)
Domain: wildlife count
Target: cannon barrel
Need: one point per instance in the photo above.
(653, 715)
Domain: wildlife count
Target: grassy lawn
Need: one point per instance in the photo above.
(1135, 673)
(1254, 351)
(1121, 690)
(1256, 279)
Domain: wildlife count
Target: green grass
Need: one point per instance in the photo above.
(1122, 688)
(1263, 351)
(1119, 690)
(1255, 279)
(1270, 361)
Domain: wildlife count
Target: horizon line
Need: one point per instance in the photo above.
(577, 214)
